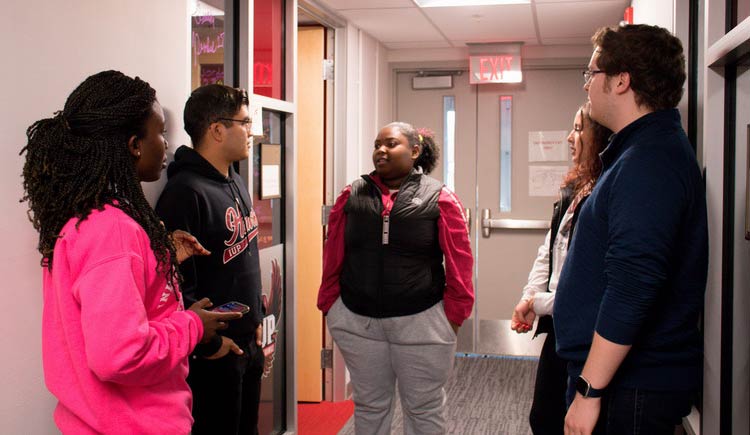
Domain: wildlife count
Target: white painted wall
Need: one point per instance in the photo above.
(368, 111)
(672, 15)
(656, 12)
(50, 48)
(364, 80)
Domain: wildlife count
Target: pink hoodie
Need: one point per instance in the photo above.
(115, 336)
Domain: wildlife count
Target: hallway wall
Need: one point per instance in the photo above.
(363, 102)
(741, 302)
(50, 47)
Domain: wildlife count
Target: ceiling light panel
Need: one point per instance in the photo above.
(366, 4)
(453, 3)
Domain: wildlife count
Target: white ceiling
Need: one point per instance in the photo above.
(402, 24)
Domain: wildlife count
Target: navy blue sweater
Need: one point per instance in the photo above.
(636, 269)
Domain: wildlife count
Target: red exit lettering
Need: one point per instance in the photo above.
(495, 66)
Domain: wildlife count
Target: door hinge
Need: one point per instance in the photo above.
(326, 358)
(327, 69)
(325, 214)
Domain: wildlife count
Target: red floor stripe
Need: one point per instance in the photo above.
(324, 418)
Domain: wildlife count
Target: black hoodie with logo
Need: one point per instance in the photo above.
(217, 210)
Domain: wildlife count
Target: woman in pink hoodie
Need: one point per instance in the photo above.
(115, 334)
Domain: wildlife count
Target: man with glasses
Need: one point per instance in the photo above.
(206, 197)
(631, 292)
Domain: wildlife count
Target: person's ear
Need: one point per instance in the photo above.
(216, 131)
(134, 146)
(416, 150)
(623, 83)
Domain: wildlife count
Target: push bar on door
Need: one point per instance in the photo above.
(489, 224)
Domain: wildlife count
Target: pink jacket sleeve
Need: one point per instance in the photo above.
(454, 241)
(122, 344)
(333, 254)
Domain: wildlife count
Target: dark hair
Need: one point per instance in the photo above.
(425, 138)
(208, 103)
(584, 174)
(651, 55)
(79, 161)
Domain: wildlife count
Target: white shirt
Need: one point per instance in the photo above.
(536, 287)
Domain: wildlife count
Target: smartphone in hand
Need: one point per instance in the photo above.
(232, 307)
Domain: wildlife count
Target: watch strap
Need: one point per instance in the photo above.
(583, 386)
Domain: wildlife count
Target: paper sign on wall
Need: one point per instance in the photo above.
(271, 181)
(548, 146)
(256, 115)
(546, 180)
(270, 171)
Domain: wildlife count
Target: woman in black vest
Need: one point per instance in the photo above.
(587, 140)
(391, 305)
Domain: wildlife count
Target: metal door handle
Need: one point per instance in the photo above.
(489, 224)
(467, 215)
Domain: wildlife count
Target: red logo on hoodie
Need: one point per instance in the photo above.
(244, 229)
(272, 302)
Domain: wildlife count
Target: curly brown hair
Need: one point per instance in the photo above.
(584, 174)
(651, 55)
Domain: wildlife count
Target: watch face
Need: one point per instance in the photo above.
(582, 386)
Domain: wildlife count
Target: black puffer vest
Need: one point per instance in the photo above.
(400, 272)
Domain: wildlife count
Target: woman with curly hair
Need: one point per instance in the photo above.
(587, 140)
(115, 334)
(391, 305)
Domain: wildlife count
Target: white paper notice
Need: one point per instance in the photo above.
(546, 180)
(270, 183)
(256, 115)
(548, 146)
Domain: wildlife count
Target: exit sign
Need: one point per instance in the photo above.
(495, 68)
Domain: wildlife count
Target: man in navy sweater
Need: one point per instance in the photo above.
(631, 291)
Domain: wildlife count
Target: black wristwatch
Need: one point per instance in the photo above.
(586, 390)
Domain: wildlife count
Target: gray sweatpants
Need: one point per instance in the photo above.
(417, 351)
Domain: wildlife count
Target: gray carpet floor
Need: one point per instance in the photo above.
(485, 396)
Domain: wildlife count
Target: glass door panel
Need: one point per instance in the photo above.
(271, 217)
(268, 49)
(207, 30)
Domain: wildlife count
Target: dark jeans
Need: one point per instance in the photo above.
(226, 392)
(627, 411)
(548, 409)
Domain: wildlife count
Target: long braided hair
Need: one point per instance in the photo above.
(79, 161)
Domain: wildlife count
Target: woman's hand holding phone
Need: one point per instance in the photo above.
(212, 320)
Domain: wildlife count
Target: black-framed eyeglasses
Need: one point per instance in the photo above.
(247, 122)
(589, 73)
